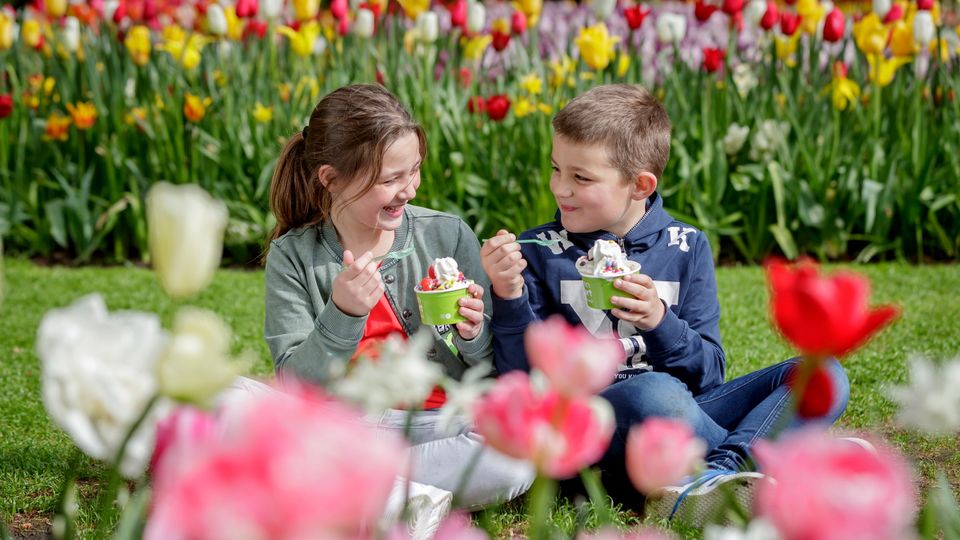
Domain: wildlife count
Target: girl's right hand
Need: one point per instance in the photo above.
(358, 287)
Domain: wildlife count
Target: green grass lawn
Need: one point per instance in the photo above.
(34, 454)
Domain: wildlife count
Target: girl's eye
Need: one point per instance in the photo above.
(581, 178)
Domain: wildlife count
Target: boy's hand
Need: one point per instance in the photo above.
(358, 287)
(504, 264)
(645, 310)
(472, 309)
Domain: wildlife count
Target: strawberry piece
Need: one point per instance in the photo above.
(426, 284)
(431, 272)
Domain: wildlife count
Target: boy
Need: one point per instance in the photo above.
(610, 147)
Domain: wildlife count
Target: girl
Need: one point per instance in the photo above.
(340, 194)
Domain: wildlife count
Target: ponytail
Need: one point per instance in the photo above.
(297, 198)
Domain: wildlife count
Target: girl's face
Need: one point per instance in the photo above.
(381, 208)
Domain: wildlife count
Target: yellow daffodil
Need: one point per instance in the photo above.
(623, 64)
(195, 107)
(870, 35)
(530, 8)
(475, 46)
(522, 107)
(544, 108)
(58, 127)
(882, 70)
(301, 41)
(84, 114)
(138, 44)
(532, 84)
(561, 72)
(8, 28)
(811, 12)
(413, 8)
(305, 10)
(596, 46)
(262, 114)
(844, 92)
(185, 49)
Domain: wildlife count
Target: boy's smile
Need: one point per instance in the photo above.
(590, 193)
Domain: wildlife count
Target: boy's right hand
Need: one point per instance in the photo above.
(504, 264)
(358, 287)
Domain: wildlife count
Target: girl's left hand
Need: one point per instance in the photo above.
(472, 309)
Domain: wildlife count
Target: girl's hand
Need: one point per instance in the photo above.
(645, 310)
(358, 287)
(472, 309)
(504, 264)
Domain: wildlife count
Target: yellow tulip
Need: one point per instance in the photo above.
(58, 127)
(844, 92)
(138, 44)
(530, 8)
(596, 46)
(185, 49)
(304, 10)
(544, 108)
(522, 107)
(234, 24)
(532, 84)
(136, 115)
(262, 114)
(561, 71)
(55, 8)
(195, 107)
(84, 114)
(31, 33)
(944, 47)
(882, 70)
(301, 42)
(870, 35)
(8, 27)
(413, 8)
(812, 12)
(475, 46)
(787, 47)
(623, 64)
(901, 42)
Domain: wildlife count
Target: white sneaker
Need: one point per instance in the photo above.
(426, 508)
(701, 499)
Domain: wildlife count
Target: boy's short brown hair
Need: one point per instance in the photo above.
(625, 118)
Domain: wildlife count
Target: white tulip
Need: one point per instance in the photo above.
(882, 7)
(109, 8)
(735, 137)
(216, 20)
(754, 11)
(71, 34)
(271, 9)
(671, 27)
(9, 30)
(196, 364)
(364, 25)
(319, 46)
(602, 9)
(355, 4)
(476, 17)
(931, 401)
(186, 228)
(98, 376)
(923, 28)
(428, 27)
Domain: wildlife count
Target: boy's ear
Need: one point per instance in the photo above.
(644, 185)
(326, 175)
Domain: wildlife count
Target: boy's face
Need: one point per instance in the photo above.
(591, 194)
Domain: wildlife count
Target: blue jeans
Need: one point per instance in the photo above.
(730, 418)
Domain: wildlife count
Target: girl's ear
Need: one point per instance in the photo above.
(644, 185)
(327, 175)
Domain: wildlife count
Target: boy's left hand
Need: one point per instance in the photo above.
(644, 310)
(472, 309)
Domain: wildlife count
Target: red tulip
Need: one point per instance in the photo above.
(518, 23)
(833, 26)
(789, 22)
(713, 59)
(732, 6)
(6, 105)
(635, 16)
(120, 12)
(466, 77)
(255, 28)
(823, 316)
(477, 105)
(497, 107)
(343, 27)
(771, 16)
(926, 5)
(458, 13)
(338, 8)
(380, 79)
(500, 40)
(789, 2)
(703, 11)
(818, 392)
(247, 8)
(894, 15)
(374, 7)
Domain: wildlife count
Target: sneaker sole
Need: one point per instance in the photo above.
(704, 504)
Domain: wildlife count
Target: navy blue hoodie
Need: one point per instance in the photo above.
(686, 343)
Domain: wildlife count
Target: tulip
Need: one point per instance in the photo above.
(703, 11)
(57, 128)
(894, 15)
(602, 9)
(596, 46)
(575, 362)
(924, 29)
(834, 26)
(55, 8)
(533, 85)
(838, 303)
(475, 46)
(882, 70)
(925, 5)
(713, 59)
(365, 24)
(6, 105)
(500, 33)
(84, 115)
(137, 43)
(789, 23)
(183, 48)
(247, 9)
(339, 9)
(811, 13)
(196, 364)
(671, 28)
(186, 229)
(9, 30)
(635, 16)
(413, 8)
(476, 17)
(518, 23)
(305, 10)
(754, 12)
(272, 9)
(255, 28)
(216, 20)
(882, 7)
(195, 108)
(458, 13)
(477, 105)
(497, 107)
(428, 27)
(732, 7)
(661, 451)
(530, 8)
(818, 392)
(901, 40)
(870, 35)
(771, 16)
(302, 41)
(32, 34)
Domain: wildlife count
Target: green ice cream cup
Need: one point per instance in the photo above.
(441, 307)
(600, 289)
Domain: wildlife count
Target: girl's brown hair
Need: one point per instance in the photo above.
(349, 130)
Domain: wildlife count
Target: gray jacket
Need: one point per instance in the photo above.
(311, 339)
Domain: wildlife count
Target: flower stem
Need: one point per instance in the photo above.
(542, 496)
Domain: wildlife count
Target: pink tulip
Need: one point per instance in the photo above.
(287, 467)
(575, 362)
(457, 526)
(831, 489)
(661, 451)
(338, 8)
(185, 430)
(559, 434)
(247, 9)
(613, 534)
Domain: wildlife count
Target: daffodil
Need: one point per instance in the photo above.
(301, 41)
(262, 114)
(84, 114)
(138, 44)
(522, 107)
(561, 72)
(530, 8)
(195, 107)
(58, 127)
(882, 70)
(545, 108)
(475, 46)
(532, 84)
(844, 92)
(596, 46)
(413, 8)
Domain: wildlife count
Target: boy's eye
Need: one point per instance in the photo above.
(555, 168)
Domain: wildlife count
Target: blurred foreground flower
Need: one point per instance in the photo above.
(660, 452)
(186, 229)
(931, 401)
(575, 362)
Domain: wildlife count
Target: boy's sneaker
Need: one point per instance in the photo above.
(701, 499)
